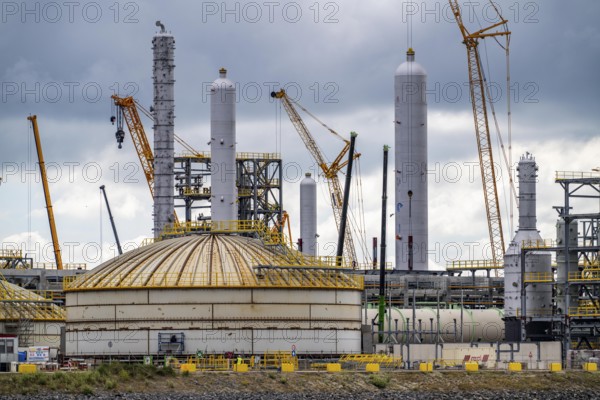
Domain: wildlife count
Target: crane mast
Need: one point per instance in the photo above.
(38, 146)
(482, 129)
(329, 171)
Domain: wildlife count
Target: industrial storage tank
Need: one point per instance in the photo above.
(213, 293)
(308, 215)
(35, 319)
(411, 224)
(538, 268)
(456, 325)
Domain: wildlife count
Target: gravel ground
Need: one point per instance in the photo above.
(570, 394)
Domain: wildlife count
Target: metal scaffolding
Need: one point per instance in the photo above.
(259, 179)
(575, 317)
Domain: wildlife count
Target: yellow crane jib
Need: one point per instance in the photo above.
(330, 170)
(482, 129)
(128, 108)
(38, 146)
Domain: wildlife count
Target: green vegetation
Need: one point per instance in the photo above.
(106, 377)
(136, 378)
(378, 380)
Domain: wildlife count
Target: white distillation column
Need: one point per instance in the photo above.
(224, 205)
(411, 165)
(539, 295)
(308, 215)
(163, 46)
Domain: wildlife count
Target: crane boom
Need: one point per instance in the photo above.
(482, 129)
(138, 137)
(38, 146)
(329, 171)
(129, 108)
(112, 221)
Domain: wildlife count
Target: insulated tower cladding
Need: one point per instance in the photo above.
(411, 165)
(224, 205)
(538, 300)
(163, 46)
(308, 215)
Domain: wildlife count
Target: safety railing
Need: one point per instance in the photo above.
(7, 253)
(388, 265)
(538, 312)
(563, 175)
(268, 278)
(206, 192)
(584, 312)
(361, 360)
(472, 264)
(274, 359)
(214, 227)
(297, 259)
(257, 156)
(238, 156)
(540, 277)
(590, 274)
(147, 241)
(69, 266)
(538, 244)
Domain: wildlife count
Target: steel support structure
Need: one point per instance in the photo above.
(578, 324)
(259, 179)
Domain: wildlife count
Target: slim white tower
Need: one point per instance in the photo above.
(308, 215)
(163, 46)
(222, 149)
(411, 165)
(539, 296)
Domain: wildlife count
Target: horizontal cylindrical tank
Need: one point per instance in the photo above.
(455, 325)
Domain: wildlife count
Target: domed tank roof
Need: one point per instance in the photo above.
(410, 66)
(20, 303)
(211, 260)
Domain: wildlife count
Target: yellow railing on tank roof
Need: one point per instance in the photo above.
(296, 278)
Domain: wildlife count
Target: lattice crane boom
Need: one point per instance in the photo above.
(329, 170)
(482, 129)
(129, 108)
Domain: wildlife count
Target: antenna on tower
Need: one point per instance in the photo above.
(162, 27)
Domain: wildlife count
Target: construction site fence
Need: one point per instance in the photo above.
(273, 361)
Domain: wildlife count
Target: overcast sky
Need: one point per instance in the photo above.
(63, 60)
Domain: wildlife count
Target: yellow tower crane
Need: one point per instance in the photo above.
(138, 137)
(482, 129)
(129, 108)
(330, 171)
(38, 146)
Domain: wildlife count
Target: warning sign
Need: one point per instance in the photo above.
(38, 354)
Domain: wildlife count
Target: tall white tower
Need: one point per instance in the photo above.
(411, 165)
(539, 296)
(163, 46)
(308, 215)
(222, 149)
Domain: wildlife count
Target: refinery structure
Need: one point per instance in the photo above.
(222, 275)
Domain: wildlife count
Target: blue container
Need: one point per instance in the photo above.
(22, 356)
